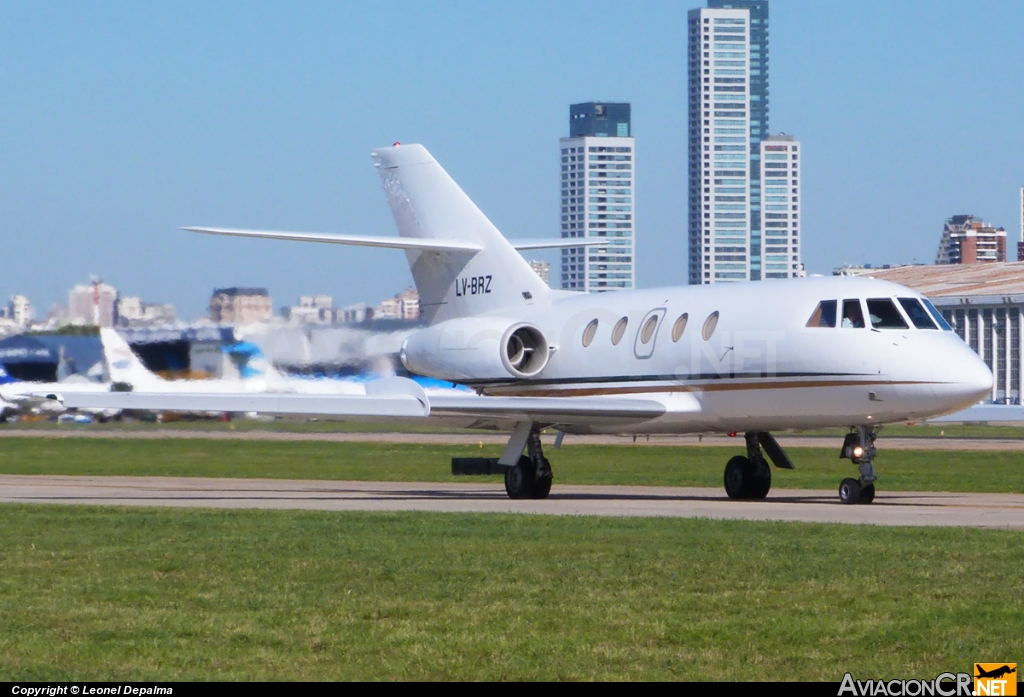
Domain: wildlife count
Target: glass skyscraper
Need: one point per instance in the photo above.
(728, 98)
(597, 168)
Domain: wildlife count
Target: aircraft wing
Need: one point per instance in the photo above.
(402, 399)
(555, 410)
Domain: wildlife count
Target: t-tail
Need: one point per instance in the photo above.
(428, 204)
(462, 265)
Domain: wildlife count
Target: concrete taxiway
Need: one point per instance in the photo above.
(817, 506)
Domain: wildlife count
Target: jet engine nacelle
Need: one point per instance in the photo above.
(476, 348)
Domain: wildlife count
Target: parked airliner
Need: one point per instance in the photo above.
(747, 358)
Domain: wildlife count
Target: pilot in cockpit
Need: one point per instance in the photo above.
(853, 318)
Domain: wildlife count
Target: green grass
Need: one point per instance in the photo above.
(969, 430)
(153, 594)
(898, 470)
(980, 430)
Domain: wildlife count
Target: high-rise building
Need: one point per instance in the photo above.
(1020, 243)
(758, 92)
(780, 185)
(543, 270)
(19, 310)
(728, 118)
(598, 170)
(93, 304)
(240, 305)
(968, 240)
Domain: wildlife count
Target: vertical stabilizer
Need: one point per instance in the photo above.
(123, 365)
(427, 203)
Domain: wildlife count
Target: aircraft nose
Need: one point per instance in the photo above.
(973, 376)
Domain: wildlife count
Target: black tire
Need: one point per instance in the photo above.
(541, 488)
(867, 493)
(519, 480)
(761, 484)
(849, 491)
(739, 478)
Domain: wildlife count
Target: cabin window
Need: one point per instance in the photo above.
(884, 315)
(709, 325)
(917, 314)
(589, 332)
(853, 316)
(620, 329)
(936, 315)
(824, 315)
(647, 333)
(679, 327)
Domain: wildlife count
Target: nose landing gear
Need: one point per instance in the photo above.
(859, 446)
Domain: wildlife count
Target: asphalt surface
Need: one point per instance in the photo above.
(889, 508)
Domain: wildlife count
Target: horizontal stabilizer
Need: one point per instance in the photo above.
(431, 244)
(560, 243)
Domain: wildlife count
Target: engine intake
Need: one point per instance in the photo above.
(477, 348)
(526, 350)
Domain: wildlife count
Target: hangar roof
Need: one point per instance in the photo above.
(957, 280)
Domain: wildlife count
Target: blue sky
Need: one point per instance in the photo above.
(121, 122)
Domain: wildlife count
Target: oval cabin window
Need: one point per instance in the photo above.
(679, 327)
(589, 332)
(620, 329)
(709, 325)
(647, 333)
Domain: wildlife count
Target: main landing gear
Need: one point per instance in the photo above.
(750, 477)
(859, 447)
(530, 477)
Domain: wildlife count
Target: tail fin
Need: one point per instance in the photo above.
(252, 363)
(427, 203)
(122, 363)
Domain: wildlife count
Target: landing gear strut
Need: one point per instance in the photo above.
(859, 447)
(749, 477)
(530, 477)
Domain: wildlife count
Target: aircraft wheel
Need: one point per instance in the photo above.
(739, 478)
(519, 480)
(867, 493)
(762, 484)
(541, 488)
(849, 491)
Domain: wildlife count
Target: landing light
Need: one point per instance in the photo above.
(858, 451)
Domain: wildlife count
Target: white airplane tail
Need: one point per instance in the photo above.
(428, 204)
(123, 365)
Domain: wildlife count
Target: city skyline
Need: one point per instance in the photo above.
(116, 132)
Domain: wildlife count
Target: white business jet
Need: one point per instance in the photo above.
(747, 358)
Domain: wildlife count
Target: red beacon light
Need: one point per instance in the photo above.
(396, 144)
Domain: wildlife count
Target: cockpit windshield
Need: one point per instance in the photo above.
(884, 314)
(936, 315)
(917, 314)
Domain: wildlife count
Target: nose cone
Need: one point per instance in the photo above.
(972, 377)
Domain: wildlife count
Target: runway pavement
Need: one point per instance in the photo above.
(889, 508)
